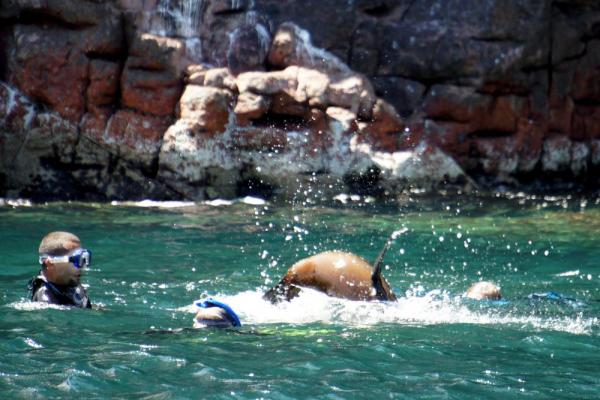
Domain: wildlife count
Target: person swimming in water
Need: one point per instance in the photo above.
(59, 281)
(213, 313)
(484, 290)
(489, 291)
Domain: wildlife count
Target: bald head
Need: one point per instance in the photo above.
(213, 317)
(58, 244)
(484, 291)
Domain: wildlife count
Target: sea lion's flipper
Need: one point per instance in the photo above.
(382, 288)
(281, 291)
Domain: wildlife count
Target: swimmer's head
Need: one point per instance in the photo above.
(212, 317)
(213, 313)
(484, 291)
(62, 258)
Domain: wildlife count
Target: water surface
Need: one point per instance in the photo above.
(151, 263)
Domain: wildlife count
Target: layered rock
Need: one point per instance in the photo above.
(210, 98)
(283, 127)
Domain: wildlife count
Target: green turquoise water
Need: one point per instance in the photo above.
(151, 263)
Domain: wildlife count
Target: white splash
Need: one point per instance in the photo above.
(15, 203)
(218, 202)
(253, 201)
(435, 308)
(399, 232)
(248, 200)
(27, 305)
(569, 273)
(153, 204)
(32, 343)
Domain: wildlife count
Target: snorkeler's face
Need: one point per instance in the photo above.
(64, 273)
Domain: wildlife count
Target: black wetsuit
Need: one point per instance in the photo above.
(47, 292)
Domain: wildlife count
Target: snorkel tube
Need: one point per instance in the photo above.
(210, 302)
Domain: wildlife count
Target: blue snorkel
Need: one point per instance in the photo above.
(214, 303)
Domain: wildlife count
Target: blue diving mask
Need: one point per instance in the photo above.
(214, 303)
(80, 258)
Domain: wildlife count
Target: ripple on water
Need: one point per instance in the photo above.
(151, 262)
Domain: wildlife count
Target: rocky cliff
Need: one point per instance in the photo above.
(200, 99)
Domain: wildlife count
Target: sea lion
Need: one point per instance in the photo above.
(338, 274)
(484, 291)
(335, 273)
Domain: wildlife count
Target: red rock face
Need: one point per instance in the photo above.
(205, 109)
(136, 134)
(103, 87)
(385, 129)
(150, 92)
(485, 82)
(49, 71)
(51, 62)
(151, 81)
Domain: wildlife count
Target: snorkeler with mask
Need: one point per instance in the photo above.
(213, 313)
(59, 281)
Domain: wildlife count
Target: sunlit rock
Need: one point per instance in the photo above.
(205, 108)
(191, 163)
(384, 129)
(269, 83)
(313, 88)
(220, 78)
(151, 78)
(353, 92)
(195, 74)
(425, 165)
(250, 106)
